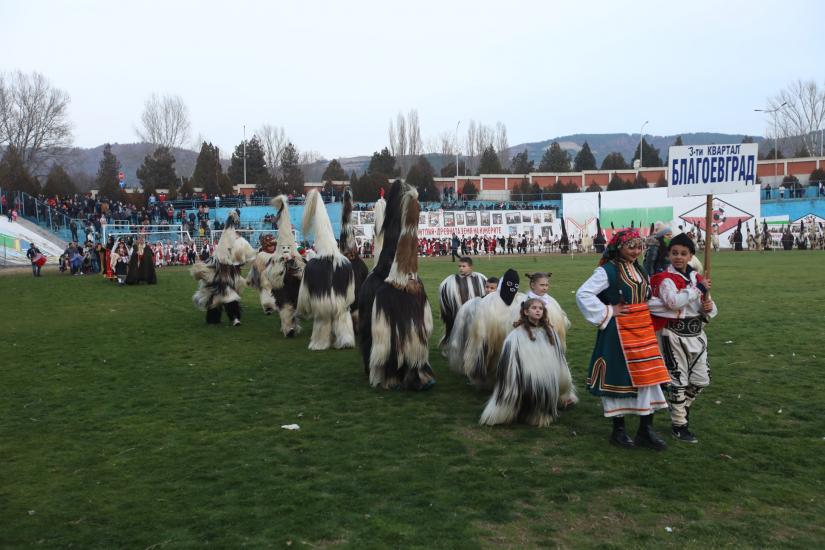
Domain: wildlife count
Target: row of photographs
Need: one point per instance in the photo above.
(454, 218)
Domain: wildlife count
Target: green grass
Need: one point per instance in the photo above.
(126, 422)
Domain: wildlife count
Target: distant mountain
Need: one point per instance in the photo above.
(82, 164)
(626, 144)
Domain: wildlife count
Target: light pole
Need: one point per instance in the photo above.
(775, 140)
(455, 190)
(244, 154)
(641, 138)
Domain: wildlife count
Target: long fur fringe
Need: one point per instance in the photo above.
(349, 248)
(328, 285)
(378, 235)
(478, 335)
(533, 382)
(452, 293)
(285, 272)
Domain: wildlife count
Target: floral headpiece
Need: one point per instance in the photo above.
(619, 239)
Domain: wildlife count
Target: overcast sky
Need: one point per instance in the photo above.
(333, 73)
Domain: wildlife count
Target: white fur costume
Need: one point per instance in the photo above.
(285, 271)
(533, 381)
(453, 292)
(328, 287)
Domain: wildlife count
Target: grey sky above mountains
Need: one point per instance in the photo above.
(334, 73)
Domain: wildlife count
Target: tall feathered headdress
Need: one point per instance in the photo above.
(232, 249)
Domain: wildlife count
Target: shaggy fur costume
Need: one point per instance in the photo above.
(377, 235)
(349, 248)
(255, 278)
(453, 292)
(480, 328)
(533, 380)
(285, 271)
(396, 352)
(328, 285)
(219, 278)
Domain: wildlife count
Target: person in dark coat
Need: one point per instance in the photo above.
(141, 265)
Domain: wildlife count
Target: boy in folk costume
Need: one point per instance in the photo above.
(285, 270)
(455, 290)
(626, 368)
(394, 316)
(349, 248)
(480, 328)
(533, 379)
(219, 278)
(681, 305)
(328, 285)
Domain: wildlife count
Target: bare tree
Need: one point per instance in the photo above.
(273, 139)
(165, 121)
(310, 157)
(414, 146)
(34, 118)
(472, 132)
(803, 115)
(484, 138)
(501, 144)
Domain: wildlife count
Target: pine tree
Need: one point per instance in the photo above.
(59, 183)
(13, 173)
(521, 164)
(593, 187)
(334, 172)
(651, 156)
(157, 171)
(555, 159)
(421, 176)
(678, 142)
(584, 159)
(106, 181)
(383, 163)
(448, 171)
(208, 174)
(614, 161)
(291, 170)
(469, 191)
(257, 172)
(490, 163)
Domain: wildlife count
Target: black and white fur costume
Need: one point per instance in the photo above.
(378, 236)
(286, 270)
(480, 328)
(328, 286)
(453, 292)
(219, 278)
(395, 317)
(349, 248)
(533, 380)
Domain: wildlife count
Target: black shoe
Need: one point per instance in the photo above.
(683, 434)
(646, 437)
(619, 436)
(290, 333)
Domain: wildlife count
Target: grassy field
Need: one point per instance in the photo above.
(126, 422)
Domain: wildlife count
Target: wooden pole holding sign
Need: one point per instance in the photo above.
(708, 234)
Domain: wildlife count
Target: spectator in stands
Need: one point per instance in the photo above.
(768, 192)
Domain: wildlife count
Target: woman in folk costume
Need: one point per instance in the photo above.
(141, 264)
(626, 368)
(349, 248)
(394, 315)
(456, 290)
(285, 271)
(328, 285)
(219, 278)
(480, 328)
(533, 380)
(255, 278)
(539, 288)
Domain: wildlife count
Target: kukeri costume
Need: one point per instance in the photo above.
(219, 278)
(349, 248)
(453, 292)
(394, 315)
(328, 286)
(285, 270)
(255, 278)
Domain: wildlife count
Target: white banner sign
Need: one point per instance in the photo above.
(711, 169)
(499, 223)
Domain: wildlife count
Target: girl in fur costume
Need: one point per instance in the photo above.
(349, 248)
(480, 329)
(539, 286)
(328, 285)
(285, 271)
(533, 380)
(255, 279)
(219, 278)
(395, 318)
